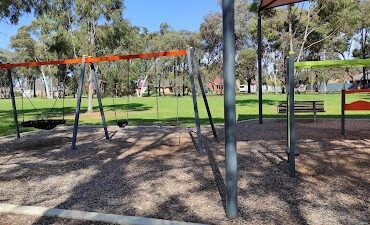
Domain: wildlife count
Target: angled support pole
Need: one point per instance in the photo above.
(15, 116)
(95, 77)
(78, 107)
(291, 117)
(259, 53)
(231, 163)
(197, 73)
(190, 56)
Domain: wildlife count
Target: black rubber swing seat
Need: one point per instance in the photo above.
(43, 124)
(122, 123)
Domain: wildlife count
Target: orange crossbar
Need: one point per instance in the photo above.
(137, 56)
(96, 59)
(31, 64)
(356, 91)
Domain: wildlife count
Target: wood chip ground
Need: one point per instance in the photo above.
(157, 173)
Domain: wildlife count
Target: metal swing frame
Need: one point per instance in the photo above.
(194, 74)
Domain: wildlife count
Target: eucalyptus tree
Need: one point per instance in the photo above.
(246, 67)
(89, 17)
(12, 10)
(362, 50)
(26, 49)
(211, 36)
(5, 57)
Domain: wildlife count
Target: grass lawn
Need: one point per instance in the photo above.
(143, 111)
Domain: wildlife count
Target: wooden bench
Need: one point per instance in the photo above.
(303, 107)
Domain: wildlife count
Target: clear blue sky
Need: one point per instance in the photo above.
(184, 14)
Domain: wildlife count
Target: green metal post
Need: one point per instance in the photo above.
(78, 107)
(343, 119)
(190, 56)
(196, 68)
(229, 109)
(98, 95)
(291, 116)
(14, 106)
(259, 36)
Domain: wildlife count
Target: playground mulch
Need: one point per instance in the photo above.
(157, 173)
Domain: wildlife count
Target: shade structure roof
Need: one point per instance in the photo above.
(268, 4)
(333, 63)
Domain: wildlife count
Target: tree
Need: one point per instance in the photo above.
(164, 27)
(89, 16)
(247, 66)
(25, 47)
(362, 37)
(12, 10)
(211, 36)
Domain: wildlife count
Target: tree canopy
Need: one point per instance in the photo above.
(316, 30)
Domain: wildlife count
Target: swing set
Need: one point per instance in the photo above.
(45, 123)
(175, 69)
(42, 122)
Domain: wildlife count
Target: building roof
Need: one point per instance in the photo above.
(268, 4)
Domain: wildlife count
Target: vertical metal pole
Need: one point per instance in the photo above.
(157, 91)
(197, 73)
(343, 103)
(176, 75)
(98, 95)
(15, 116)
(128, 87)
(291, 117)
(78, 107)
(229, 109)
(190, 55)
(259, 36)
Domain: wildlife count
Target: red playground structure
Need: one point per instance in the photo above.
(359, 105)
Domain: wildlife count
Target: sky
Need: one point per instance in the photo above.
(185, 14)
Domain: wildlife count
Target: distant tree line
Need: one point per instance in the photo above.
(317, 30)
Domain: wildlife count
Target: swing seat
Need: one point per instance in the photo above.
(122, 123)
(43, 124)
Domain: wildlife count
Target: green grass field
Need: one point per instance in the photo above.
(143, 111)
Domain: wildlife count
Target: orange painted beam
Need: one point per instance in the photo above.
(357, 91)
(32, 64)
(96, 59)
(357, 105)
(136, 56)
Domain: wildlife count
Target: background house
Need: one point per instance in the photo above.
(216, 86)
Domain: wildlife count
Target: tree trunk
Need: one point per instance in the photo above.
(311, 86)
(290, 18)
(51, 88)
(91, 37)
(90, 94)
(45, 82)
(364, 37)
(183, 84)
(364, 77)
(249, 81)
(34, 87)
(275, 84)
